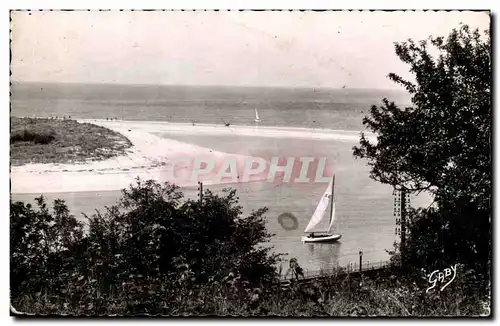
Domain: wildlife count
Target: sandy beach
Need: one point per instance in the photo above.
(150, 157)
(233, 130)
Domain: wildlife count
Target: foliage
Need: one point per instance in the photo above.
(132, 259)
(152, 248)
(441, 144)
(41, 243)
(376, 294)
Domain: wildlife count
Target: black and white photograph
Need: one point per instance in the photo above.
(251, 163)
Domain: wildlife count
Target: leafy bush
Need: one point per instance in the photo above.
(41, 245)
(145, 254)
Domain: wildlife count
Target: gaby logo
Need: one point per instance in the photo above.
(187, 169)
(442, 277)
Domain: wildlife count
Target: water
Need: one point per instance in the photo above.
(341, 109)
(364, 207)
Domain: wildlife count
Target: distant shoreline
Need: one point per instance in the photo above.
(256, 130)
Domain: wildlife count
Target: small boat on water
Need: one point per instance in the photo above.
(257, 119)
(325, 210)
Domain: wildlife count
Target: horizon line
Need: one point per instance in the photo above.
(205, 85)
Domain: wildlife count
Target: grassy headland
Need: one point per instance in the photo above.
(62, 141)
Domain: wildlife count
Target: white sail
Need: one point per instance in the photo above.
(332, 216)
(256, 115)
(322, 212)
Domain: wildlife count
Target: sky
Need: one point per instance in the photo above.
(289, 49)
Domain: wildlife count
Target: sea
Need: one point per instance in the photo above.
(364, 207)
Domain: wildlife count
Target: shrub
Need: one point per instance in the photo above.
(148, 253)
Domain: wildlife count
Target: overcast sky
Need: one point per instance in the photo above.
(304, 49)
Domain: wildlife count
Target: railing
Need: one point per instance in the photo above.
(349, 268)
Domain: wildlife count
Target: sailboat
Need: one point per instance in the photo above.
(325, 210)
(257, 119)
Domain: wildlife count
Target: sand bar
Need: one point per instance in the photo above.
(150, 156)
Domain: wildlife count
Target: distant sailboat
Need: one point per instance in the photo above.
(321, 214)
(257, 119)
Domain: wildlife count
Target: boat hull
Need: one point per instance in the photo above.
(322, 238)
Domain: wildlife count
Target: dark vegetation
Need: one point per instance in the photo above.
(442, 144)
(148, 254)
(158, 253)
(62, 141)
